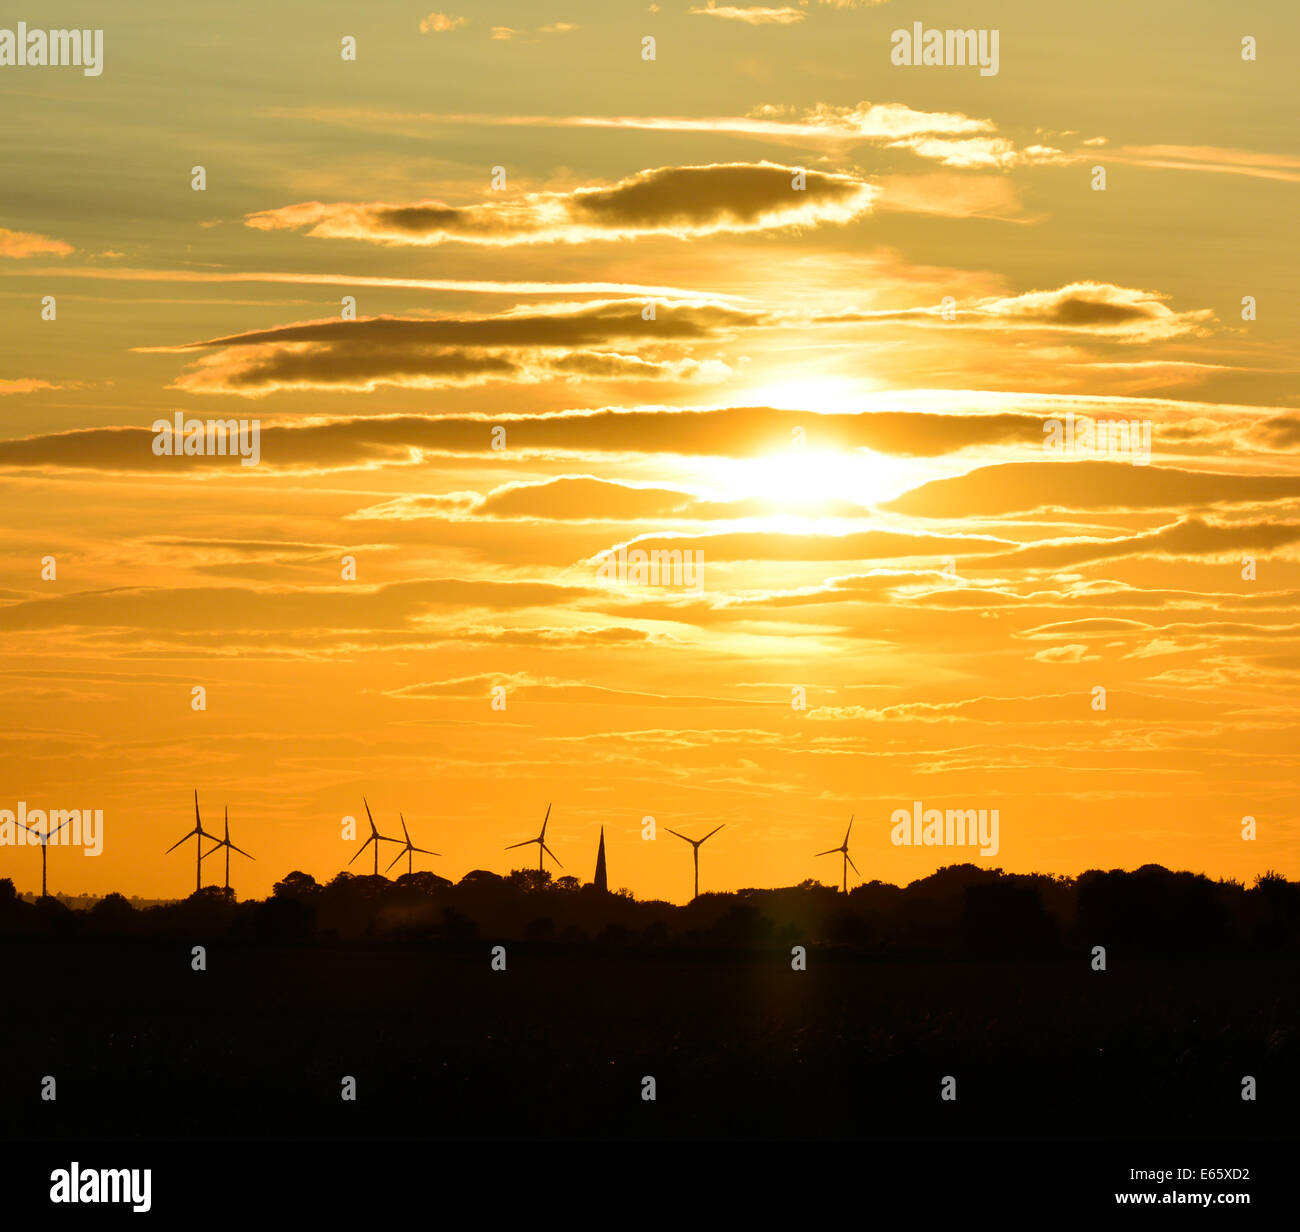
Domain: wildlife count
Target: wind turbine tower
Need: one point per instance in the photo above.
(695, 844)
(45, 837)
(229, 846)
(375, 837)
(198, 834)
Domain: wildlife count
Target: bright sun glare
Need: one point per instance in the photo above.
(804, 479)
(809, 481)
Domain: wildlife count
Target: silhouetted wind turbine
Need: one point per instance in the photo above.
(848, 859)
(229, 846)
(695, 843)
(199, 834)
(375, 837)
(45, 842)
(540, 840)
(410, 849)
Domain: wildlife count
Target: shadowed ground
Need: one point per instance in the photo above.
(740, 1045)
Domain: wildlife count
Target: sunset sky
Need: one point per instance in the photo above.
(872, 285)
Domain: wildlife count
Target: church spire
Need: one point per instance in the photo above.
(601, 882)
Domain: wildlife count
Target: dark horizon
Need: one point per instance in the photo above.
(959, 908)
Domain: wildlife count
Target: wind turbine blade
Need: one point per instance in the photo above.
(198, 822)
(680, 836)
(397, 857)
(525, 843)
(426, 851)
(363, 846)
(832, 851)
(186, 839)
(241, 851)
(853, 866)
(404, 829)
(545, 820)
(373, 830)
(711, 833)
(552, 854)
(848, 832)
(227, 823)
(57, 828)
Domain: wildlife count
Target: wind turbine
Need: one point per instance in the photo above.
(198, 833)
(229, 846)
(848, 859)
(45, 843)
(375, 837)
(695, 843)
(409, 850)
(540, 840)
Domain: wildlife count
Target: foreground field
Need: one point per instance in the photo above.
(557, 1045)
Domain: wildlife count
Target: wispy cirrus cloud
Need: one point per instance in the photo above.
(952, 139)
(396, 605)
(352, 367)
(553, 689)
(365, 441)
(1025, 487)
(876, 544)
(1218, 160)
(824, 121)
(983, 153)
(599, 340)
(563, 325)
(1187, 537)
(1123, 314)
(612, 340)
(354, 442)
(507, 34)
(674, 201)
(23, 244)
(577, 498)
(950, 195)
(25, 385)
(469, 286)
(753, 15)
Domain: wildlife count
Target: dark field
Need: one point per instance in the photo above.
(741, 1046)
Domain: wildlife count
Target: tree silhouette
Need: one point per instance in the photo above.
(957, 909)
(297, 885)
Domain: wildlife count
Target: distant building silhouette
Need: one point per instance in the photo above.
(601, 880)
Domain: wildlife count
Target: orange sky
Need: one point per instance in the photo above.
(765, 298)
